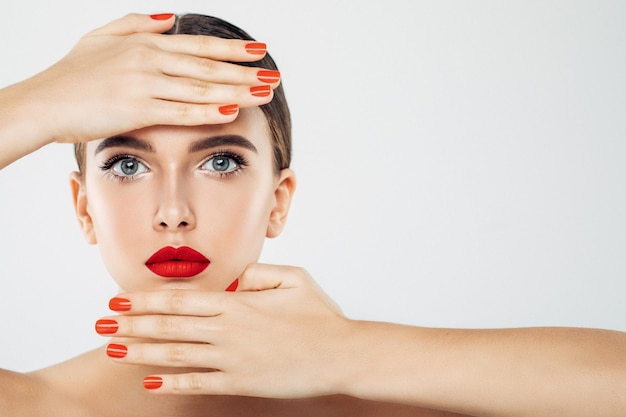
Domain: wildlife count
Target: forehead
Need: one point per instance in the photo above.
(250, 125)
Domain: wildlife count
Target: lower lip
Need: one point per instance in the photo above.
(177, 269)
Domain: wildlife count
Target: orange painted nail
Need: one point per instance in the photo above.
(116, 351)
(268, 76)
(106, 326)
(119, 304)
(261, 90)
(162, 16)
(256, 48)
(233, 286)
(229, 109)
(152, 382)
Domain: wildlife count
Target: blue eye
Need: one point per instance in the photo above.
(128, 167)
(222, 164)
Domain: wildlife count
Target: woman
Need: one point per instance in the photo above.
(180, 213)
(151, 193)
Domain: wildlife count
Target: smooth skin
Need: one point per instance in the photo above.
(278, 336)
(130, 76)
(112, 72)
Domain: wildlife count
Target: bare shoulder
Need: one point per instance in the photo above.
(27, 395)
(19, 393)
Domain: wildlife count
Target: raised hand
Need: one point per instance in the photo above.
(127, 75)
(278, 336)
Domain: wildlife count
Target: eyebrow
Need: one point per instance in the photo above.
(121, 141)
(222, 140)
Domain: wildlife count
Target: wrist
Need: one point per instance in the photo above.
(365, 357)
(22, 124)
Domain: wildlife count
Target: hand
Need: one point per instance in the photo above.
(278, 336)
(127, 75)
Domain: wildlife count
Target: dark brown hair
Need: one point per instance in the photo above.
(276, 111)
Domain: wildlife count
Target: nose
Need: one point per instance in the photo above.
(174, 212)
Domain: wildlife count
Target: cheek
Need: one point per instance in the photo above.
(238, 212)
(119, 218)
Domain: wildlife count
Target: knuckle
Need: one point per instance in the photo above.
(196, 382)
(201, 88)
(175, 383)
(165, 325)
(177, 354)
(183, 111)
(298, 271)
(249, 270)
(203, 43)
(176, 302)
(130, 326)
(208, 65)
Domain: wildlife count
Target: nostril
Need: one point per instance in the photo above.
(183, 224)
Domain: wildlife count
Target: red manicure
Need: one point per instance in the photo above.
(256, 48)
(229, 109)
(119, 304)
(162, 16)
(106, 326)
(268, 76)
(116, 351)
(233, 286)
(152, 382)
(261, 90)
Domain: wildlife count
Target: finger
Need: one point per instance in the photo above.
(173, 302)
(161, 327)
(164, 354)
(197, 383)
(259, 277)
(188, 66)
(203, 92)
(135, 23)
(165, 112)
(220, 49)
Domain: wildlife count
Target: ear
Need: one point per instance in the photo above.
(282, 201)
(79, 196)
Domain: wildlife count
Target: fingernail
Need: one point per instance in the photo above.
(106, 326)
(116, 351)
(268, 76)
(119, 304)
(162, 16)
(256, 48)
(261, 90)
(152, 382)
(229, 109)
(233, 286)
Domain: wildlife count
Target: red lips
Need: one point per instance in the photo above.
(182, 262)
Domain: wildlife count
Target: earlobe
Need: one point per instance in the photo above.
(79, 197)
(282, 201)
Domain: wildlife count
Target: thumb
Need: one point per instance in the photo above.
(259, 277)
(134, 23)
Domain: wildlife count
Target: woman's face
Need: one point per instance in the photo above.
(182, 207)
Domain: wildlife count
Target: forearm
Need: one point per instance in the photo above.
(22, 128)
(512, 372)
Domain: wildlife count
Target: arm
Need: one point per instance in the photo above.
(512, 372)
(280, 336)
(124, 76)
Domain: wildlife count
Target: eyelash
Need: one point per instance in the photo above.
(107, 166)
(241, 162)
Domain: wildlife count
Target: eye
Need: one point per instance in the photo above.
(128, 167)
(222, 164)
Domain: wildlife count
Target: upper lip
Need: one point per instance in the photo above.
(180, 254)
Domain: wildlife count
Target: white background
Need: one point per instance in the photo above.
(460, 163)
